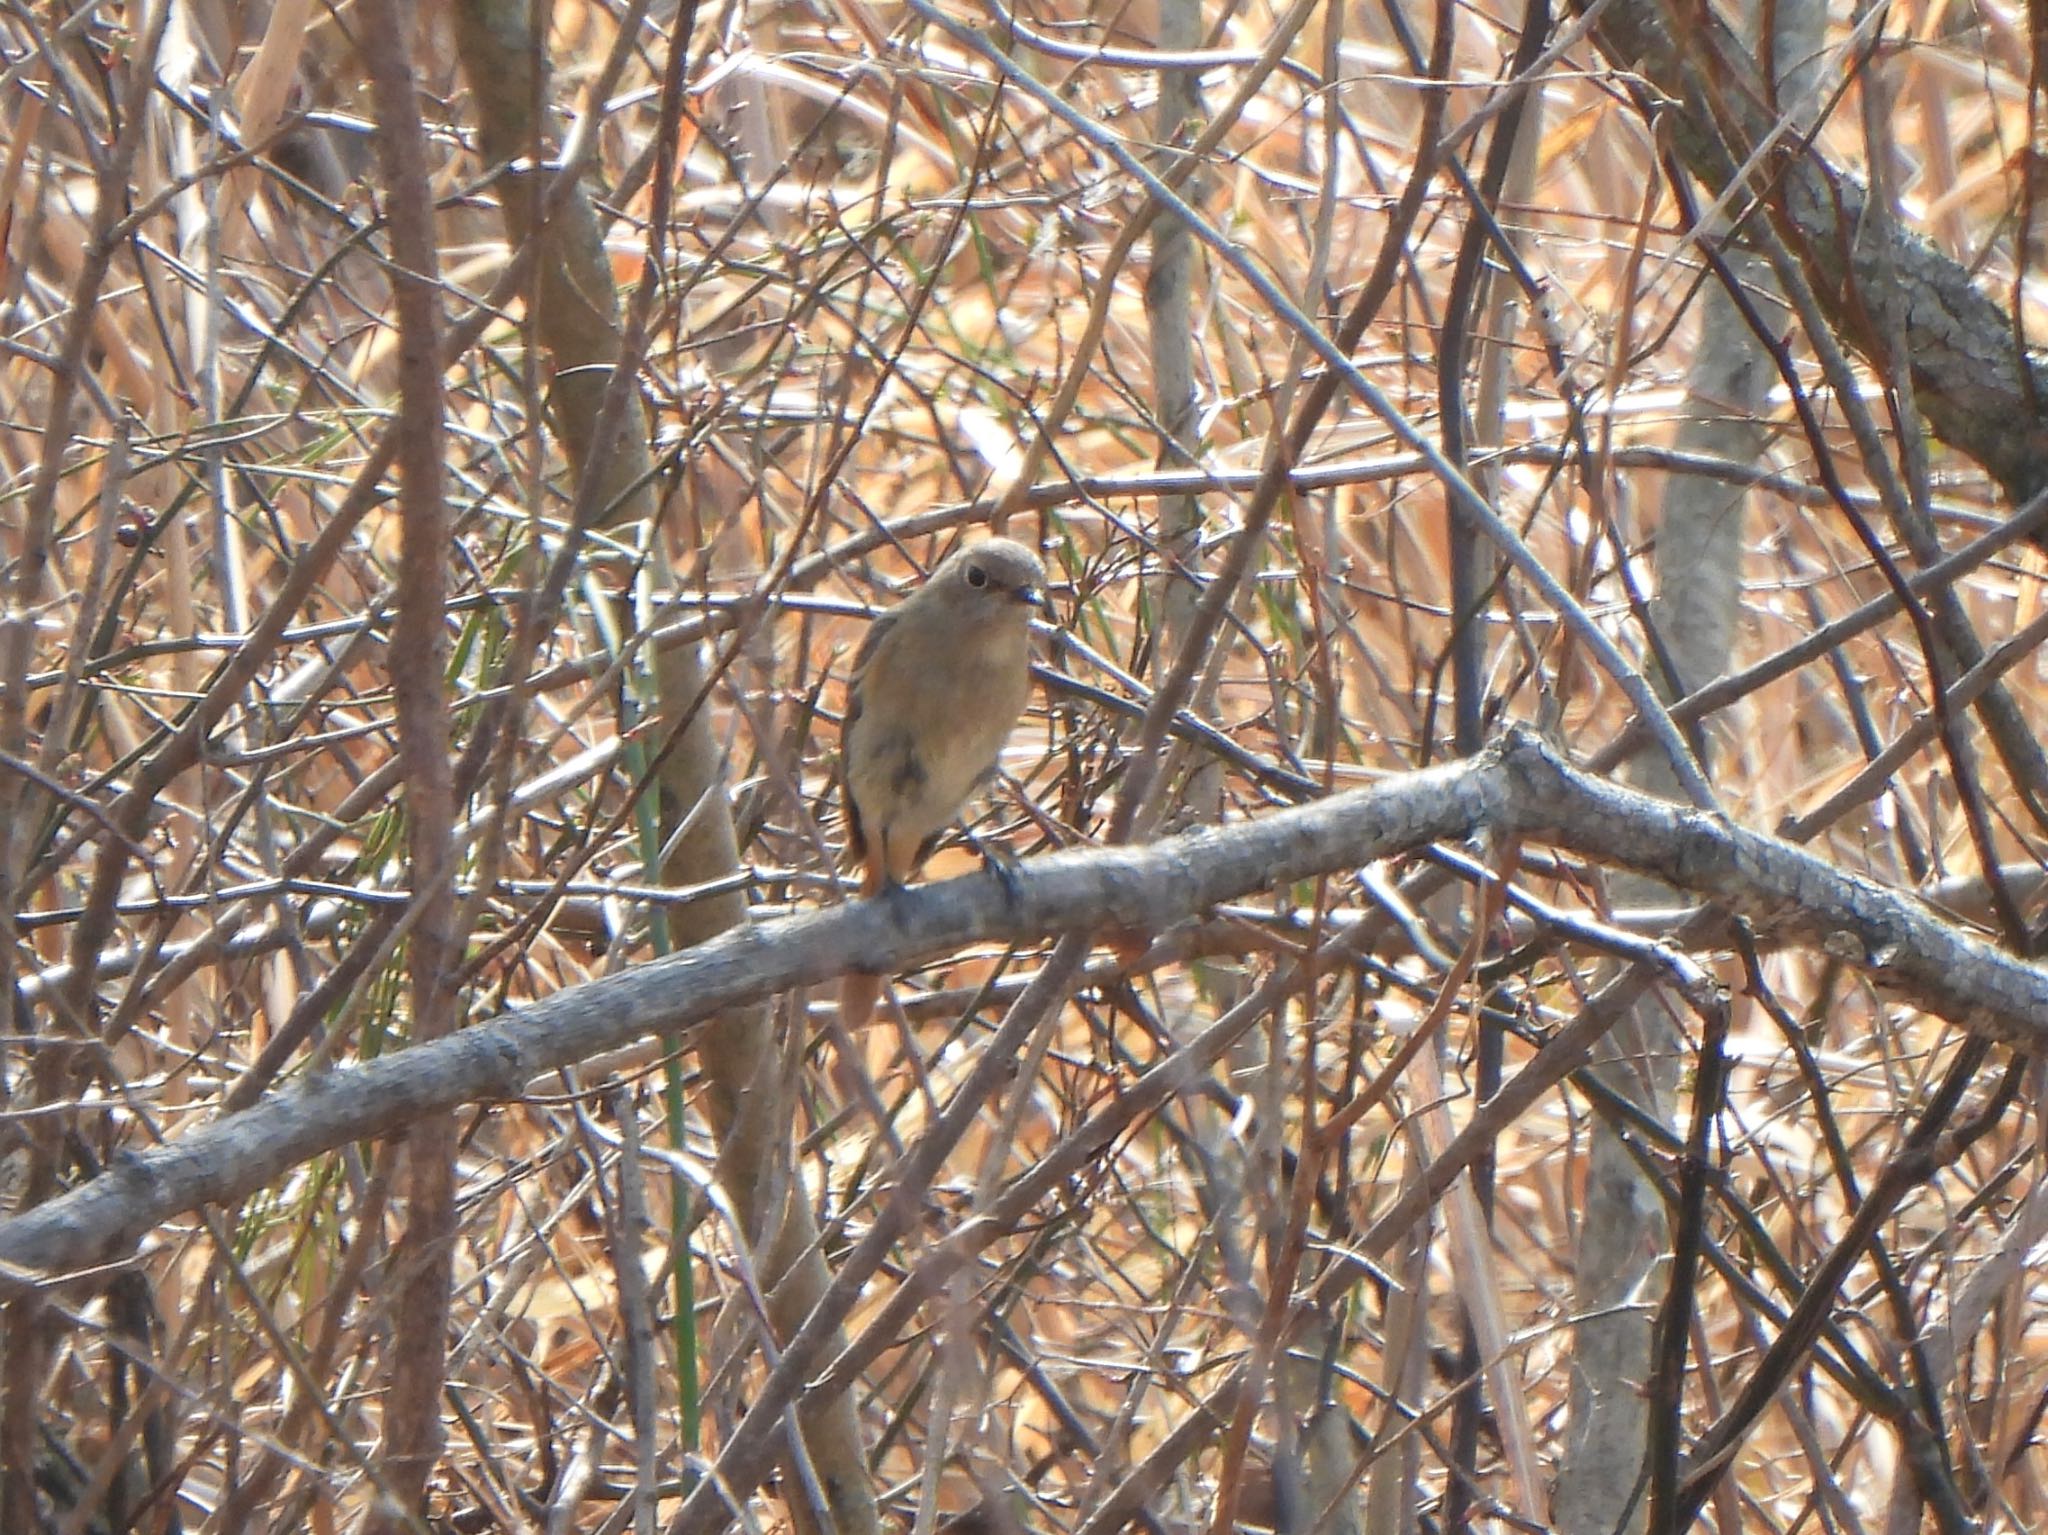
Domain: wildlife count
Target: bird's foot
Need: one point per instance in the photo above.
(1002, 863)
(892, 895)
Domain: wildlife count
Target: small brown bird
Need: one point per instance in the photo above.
(938, 685)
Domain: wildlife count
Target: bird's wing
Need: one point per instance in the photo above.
(856, 839)
(880, 625)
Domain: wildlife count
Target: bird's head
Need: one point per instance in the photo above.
(997, 576)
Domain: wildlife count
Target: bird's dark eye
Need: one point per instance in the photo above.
(976, 577)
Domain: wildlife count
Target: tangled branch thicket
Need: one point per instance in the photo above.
(1152, 1223)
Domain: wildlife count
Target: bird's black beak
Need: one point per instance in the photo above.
(1031, 597)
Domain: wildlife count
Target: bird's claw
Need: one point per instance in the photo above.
(1004, 865)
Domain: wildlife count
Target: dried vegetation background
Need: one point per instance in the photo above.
(882, 302)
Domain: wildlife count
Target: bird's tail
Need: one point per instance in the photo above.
(858, 994)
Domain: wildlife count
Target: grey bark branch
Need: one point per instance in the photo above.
(1975, 383)
(1979, 390)
(1518, 786)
